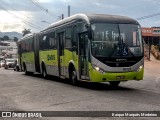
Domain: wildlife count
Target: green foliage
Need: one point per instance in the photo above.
(15, 39)
(5, 37)
(26, 31)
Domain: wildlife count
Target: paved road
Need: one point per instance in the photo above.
(19, 92)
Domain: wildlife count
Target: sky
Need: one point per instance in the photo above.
(36, 15)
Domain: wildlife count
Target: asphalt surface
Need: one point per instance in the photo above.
(19, 92)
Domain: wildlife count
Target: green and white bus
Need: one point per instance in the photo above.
(86, 47)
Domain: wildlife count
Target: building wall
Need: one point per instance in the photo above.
(151, 32)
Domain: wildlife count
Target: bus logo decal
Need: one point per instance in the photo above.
(50, 57)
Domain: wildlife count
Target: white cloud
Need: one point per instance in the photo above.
(43, 1)
(12, 22)
(98, 4)
(35, 15)
(105, 6)
(66, 1)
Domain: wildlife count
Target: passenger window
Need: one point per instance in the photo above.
(75, 36)
(68, 43)
(52, 41)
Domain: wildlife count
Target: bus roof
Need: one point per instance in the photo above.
(111, 19)
(70, 19)
(95, 18)
(25, 37)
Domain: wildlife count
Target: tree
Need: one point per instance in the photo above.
(5, 37)
(15, 39)
(26, 31)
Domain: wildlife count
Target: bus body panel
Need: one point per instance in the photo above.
(28, 60)
(107, 68)
(99, 72)
(68, 57)
(50, 60)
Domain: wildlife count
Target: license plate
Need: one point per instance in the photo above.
(120, 77)
(126, 69)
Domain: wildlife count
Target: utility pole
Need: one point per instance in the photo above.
(149, 51)
(62, 16)
(69, 10)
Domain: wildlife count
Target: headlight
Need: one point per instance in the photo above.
(140, 68)
(98, 69)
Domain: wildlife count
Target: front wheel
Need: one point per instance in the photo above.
(114, 83)
(73, 77)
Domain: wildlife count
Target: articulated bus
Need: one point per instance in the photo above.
(86, 47)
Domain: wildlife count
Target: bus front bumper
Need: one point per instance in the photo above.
(96, 76)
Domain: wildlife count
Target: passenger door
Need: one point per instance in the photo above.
(20, 55)
(83, 56)
(61, 58)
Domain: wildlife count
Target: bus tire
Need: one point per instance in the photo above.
(44, 72)
(25, 70)
(73, 77)
(114, 83)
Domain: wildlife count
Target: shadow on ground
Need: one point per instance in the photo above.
(87, 85)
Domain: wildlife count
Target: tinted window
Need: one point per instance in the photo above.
(29, 44)
(68, 42)
(42, 39)
(23, 47)
(52, 41)
(74, 38)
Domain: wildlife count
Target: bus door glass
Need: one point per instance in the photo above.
(20, 55)
(61, 60)
(83, 55)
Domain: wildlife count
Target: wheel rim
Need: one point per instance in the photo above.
(73, 77)
(44, 74)
(25, 70)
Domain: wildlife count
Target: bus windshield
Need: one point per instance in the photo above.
(112, 40)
